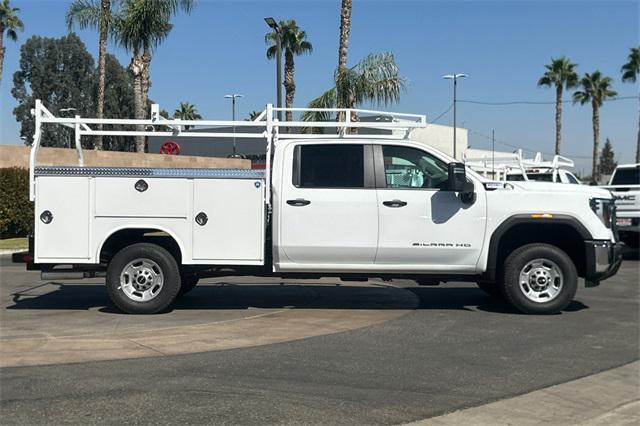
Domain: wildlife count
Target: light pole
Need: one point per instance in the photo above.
(455, 78)
(233, 116)
(275, 27)
(67, 110)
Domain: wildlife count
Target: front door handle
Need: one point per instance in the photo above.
(395, 203)
(298, 202)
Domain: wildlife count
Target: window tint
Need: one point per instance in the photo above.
(329, 166)
(626, 177)
(571, 178)
(514, 178)
(540, 177)
(406, 167)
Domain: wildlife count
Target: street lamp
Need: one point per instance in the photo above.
(274, 25)
(67, 110)
(233, 116)
(455, 78)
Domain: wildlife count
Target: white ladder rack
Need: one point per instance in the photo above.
(400, 123)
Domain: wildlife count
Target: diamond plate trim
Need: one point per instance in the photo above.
(149, 172)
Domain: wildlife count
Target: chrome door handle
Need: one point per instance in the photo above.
(298, 202)
(395, 203)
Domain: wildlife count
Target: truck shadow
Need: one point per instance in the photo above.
(63, 296)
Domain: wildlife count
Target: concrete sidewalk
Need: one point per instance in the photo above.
(608, 398)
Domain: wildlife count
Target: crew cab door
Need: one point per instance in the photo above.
(328, 209)
(424, 226)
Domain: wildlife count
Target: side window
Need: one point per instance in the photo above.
(406, 167)
(571, 178)
(329, 166)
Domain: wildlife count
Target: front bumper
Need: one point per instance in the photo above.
(603, 259)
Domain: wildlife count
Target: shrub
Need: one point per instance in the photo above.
(16, 211)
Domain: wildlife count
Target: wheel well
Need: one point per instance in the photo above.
(125, 237)
(561, 235)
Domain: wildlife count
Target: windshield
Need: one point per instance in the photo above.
(626, 177)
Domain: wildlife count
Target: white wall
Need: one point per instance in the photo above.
(441, 138)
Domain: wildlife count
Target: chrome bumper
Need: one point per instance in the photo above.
(603, 259)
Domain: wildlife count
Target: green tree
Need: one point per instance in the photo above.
(118, 102)
(561, 73)
(253, 115)
(94, 14)
(186, 111)
(630, 72)
(60, 72)
(375, 79)
(595, 89)
(607, 161)
(140, 26)
(294, 43)
(9, 23)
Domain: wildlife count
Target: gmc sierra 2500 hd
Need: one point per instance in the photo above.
(336, 204)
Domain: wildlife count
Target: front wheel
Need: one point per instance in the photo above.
(143, 279)
(539, 279)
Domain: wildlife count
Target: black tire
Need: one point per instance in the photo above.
(521, 258)
(189, 281)
(492, 289)
(162, 260)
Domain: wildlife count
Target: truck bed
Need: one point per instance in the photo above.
(215, 216)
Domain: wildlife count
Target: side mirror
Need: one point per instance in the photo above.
(458, 182)
(457, 177)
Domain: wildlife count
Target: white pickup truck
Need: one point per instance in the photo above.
(342, 204)
(625, 187)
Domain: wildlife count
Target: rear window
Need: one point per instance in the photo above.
(540, 177)
(329, 166)
(626, 177)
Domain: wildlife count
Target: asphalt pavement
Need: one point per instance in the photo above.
(454, 347)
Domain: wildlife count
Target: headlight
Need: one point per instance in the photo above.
(604, 208)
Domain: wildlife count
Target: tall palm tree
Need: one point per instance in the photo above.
(186, 111)
(561, 73)
(94, 14)
(9, 23)
(345, 28)
(375, 79)
(595, 89)
(140, 26)
(294, 42)
(630, 72)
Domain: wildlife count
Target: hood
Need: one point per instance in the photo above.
(592, 191)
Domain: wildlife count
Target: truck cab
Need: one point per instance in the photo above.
(624, 184)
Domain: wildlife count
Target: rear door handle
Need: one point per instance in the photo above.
(395, 203)
(298, 202)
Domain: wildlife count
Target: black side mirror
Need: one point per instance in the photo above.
(458, 182)
(457, 177)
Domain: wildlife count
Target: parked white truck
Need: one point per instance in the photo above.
(625, 186)
(342, 204)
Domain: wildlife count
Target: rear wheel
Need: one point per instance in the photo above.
(143, 278)
(539, 279)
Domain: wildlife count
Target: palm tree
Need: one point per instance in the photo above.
(253, 115)
(140, 26)
(186, 111)
(595, 89)
(561, 74)
(374, 79)
(10, 23)
(630, 72)
(94, 14)
(294, 42)
(345, 28)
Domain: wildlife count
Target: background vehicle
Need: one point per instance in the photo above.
(625, 187)
(341, 204)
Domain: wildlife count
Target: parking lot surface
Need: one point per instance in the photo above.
(333, 352)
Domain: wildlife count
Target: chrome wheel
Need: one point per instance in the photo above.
(541, 280)
(141, 280)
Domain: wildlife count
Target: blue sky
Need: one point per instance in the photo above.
(501, 45)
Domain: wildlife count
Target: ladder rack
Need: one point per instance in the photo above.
(399, 125)
(500, 167)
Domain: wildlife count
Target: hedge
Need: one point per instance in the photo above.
(16, 211)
